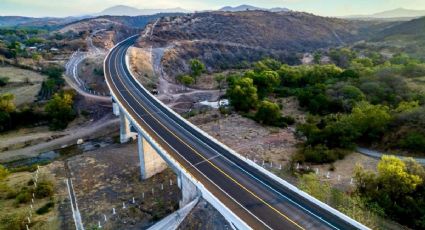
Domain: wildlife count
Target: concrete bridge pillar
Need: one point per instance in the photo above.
(125, 129)
(115, 109)
(189, 190)
(151, 162)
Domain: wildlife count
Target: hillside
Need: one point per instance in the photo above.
(228, 39)
(46, 23)
(105, 22)
(403, 37)
(413, 29)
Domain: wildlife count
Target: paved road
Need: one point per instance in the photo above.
(257, 199)
(378, 155)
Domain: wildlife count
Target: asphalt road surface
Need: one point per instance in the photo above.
(257, 199)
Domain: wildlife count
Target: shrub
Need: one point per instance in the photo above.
(268, 113)
(413, 141)
(44, 189)
(23, 196)
(45, 208)
(322, 154)
(3, 81)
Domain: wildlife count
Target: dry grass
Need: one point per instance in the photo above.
(141, 65)
(18, 180)
(17, 75)
(24, 84)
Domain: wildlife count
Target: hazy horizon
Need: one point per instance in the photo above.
(46, 8)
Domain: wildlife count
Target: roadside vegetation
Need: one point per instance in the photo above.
(360, 100)
(395, 191)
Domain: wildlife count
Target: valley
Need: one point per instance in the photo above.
(292, 92)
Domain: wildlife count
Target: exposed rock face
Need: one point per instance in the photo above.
(231, 39)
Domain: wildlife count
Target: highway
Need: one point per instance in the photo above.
(258, 200)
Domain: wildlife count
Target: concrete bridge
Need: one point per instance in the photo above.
(247, 195)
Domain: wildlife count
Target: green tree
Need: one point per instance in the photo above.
(413, 141)
(7, 106)
(220, 79)
(186, 80)
(266, 81)
(397, 187)
(268, 113)
(371, 120)
(197, 68)
(317, 57)
(60, 109)
(243, 94)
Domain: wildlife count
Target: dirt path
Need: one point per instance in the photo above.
(68, 137)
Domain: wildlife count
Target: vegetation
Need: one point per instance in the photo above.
(186, 80)
(3, 81)
(60, 109)
(243, 94)
(358, 100)
(268, 113)
(45, 208)
(352, 205)
(397, 188)
(197, 68)
(13, 221)
(54, 81)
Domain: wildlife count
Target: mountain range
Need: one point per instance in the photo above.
(122, 10)
(249, 7)
(398, 13)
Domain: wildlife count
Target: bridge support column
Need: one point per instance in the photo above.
(115, 109)
(151, 162)
(189, 190)
(125, 129)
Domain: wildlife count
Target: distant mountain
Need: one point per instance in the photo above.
(398, 13)
(45, 23)
(249, 7)
(411, 31)
(122, 10)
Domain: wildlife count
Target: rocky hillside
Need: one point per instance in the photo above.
(229, 39)
(105, 22)
(412, 29)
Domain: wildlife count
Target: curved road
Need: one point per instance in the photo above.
(258, 200)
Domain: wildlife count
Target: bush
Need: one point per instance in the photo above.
(44, 189)
(414, 142)
(45, 208)
(322, 154)
(268, 113)
(3, 81)
(287, 120)
(23, 196)
(60, 109)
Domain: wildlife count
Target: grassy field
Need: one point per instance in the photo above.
(24, 84)
(20, 211)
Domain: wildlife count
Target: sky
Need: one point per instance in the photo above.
(61, 8)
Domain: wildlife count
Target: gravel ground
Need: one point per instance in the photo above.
(105, 178)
